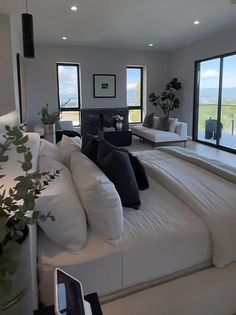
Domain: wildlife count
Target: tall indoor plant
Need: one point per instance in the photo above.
(168, 100)
(17, 207)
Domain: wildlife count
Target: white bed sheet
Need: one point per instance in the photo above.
(161, 238)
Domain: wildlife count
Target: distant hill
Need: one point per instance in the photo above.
(211, 94)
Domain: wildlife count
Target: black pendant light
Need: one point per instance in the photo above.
(28, 33)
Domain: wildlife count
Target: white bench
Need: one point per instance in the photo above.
(159, 137)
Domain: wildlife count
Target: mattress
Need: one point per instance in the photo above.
(163, 237)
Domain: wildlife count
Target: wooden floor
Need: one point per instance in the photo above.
(204, 150)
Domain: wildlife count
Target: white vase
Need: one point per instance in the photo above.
(50, 133)
(20, 300)
(119, 125)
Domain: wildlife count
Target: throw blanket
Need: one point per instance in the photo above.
(209, 190)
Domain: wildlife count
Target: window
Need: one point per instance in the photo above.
(68, 91)
(215, 101)
(135, 93)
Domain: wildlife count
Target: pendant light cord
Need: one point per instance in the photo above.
(26, 2)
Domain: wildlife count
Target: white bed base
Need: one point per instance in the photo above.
(208, 292)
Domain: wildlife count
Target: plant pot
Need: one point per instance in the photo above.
(119, 125)
(20, 299)
(50, 133)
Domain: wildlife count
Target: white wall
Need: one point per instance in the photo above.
(41, 74)
(182, 66)
(7, 92)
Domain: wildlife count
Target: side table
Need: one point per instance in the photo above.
(92, 298)
(119, 138)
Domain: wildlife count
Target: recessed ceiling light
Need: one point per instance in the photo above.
(196, 22)
(150, 45)
(74, 8)
(64, 38)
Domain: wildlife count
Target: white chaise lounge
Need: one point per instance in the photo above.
(160, 137)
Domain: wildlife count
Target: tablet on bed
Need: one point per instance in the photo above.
(69, 298)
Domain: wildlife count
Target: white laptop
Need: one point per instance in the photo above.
(69, 298)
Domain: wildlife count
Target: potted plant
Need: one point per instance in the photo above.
(17, 211)
(119, 122)
(49, 119)
(167, 100)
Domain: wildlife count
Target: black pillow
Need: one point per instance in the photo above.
(148, 120)
(163, 123)
(90, 147)
(139, 172)
(117, 167)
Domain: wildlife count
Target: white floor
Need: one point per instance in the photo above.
(204, 150)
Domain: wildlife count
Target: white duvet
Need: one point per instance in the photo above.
(208, 189)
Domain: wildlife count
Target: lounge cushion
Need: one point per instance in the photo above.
(163, 123)
(172, 124)
(117, 166)
(148, 120)
(69, 229)
(99, 197)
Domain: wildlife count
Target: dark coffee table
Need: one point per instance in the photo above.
(119, 138)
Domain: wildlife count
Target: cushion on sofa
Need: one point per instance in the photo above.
(117, 166)
(139, 172)
(69, 229)
(148, 120)
(50, 150)
(163, 123)
(67, 146)
(99, 197)
(90, 147)
(172, 124)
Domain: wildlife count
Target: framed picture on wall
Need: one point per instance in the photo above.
(104, 86)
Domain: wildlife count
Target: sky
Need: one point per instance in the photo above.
(68, 84)
(210, 73)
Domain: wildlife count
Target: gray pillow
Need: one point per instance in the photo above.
(163, 123)
(172, 124)
(148, 120)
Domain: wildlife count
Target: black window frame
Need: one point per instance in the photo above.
(141, 93)
(196, 102)
(69, 109)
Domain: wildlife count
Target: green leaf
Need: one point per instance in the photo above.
(3, 158)
(28, 156)
(26, 166)
(21, 149)
(3, 230)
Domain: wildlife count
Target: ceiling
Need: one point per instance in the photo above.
(132, 24)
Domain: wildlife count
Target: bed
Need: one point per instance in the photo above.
(177, 252)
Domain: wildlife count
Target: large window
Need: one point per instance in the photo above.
(215, 101)
(69, 91)
(135, 93)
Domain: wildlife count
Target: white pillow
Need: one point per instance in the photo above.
(99, 197)
(67, 146)
(172, 124)
(50, 150)
(69, 228)
(155, 123)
